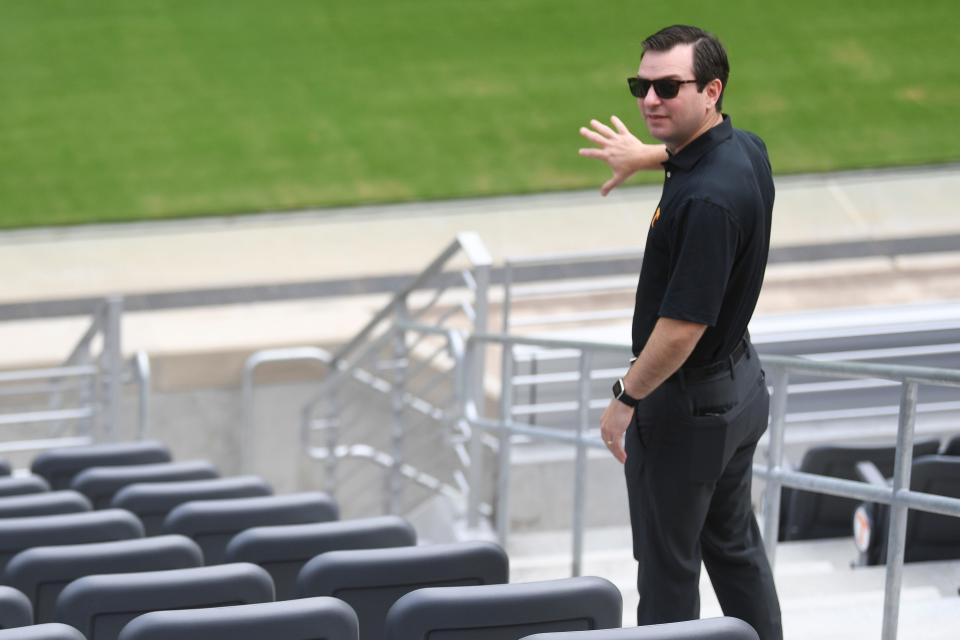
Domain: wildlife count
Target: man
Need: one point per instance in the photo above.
(687, 414)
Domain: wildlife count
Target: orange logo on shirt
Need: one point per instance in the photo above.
(656, 216)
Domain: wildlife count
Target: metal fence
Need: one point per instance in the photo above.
(435, 378)
(79, 401)
(393, 391)
(478, 417)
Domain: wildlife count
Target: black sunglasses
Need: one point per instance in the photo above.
(666, 88)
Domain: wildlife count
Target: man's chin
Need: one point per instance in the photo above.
(659, 128)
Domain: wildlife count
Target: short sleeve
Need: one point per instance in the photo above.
(704, 239)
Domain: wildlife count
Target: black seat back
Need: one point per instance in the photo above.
(59, 466)
(23, 485)
(505, 611)
(152, 501)
(283, 549)
(307, 619)
(100, 605)
(100, 484)
(17, 534)
(43, 504)
(806, 515)
(706, 629)
(52, 631)
(212, 523)
(41, 573)
(931, 536)
(371, 580)
(15, 609)
(952, 447)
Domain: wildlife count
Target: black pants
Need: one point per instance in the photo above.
(689, 467)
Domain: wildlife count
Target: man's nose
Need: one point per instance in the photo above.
(651, 99)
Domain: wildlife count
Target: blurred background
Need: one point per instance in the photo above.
(113, 110)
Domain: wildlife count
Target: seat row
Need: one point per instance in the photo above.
(343, 587)
(807, 515)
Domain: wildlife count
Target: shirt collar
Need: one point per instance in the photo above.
(701, 146)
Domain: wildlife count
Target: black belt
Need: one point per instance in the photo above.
(696, 374)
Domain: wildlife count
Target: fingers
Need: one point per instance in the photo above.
(592, 136)
(617, 450)
(602, 128)
(590, 152)
(615, 446)
(609, 185)
(622, 128)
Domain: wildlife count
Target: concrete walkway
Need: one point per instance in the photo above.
(96, 260)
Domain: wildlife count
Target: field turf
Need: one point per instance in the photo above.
(125, 110)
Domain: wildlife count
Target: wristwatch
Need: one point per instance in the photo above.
(620, 393)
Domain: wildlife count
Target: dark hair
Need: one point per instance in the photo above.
(709, 56)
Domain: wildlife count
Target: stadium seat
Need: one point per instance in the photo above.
(15, 609)
(22, 485)
(100, 605)
(17, 534)
(371, 580)
(100, 484)
(152, 501)
(42, 572)
(952, 447)
(706, 629)
(929, 536)
(59, 466)
(283, 549)
(212, 523)
(505, 611)
(5, 469)
(805, 515)
(52, 631)
(43, 504)
(307, 619)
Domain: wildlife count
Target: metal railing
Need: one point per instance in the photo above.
(400, 374)
(898, 496)
(79, 401)
(469, 410)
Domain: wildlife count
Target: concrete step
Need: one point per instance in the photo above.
(821, 596)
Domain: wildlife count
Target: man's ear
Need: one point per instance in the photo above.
(713, 90)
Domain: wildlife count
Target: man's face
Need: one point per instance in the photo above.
(674, 121)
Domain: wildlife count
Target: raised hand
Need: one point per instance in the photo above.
(623, 152)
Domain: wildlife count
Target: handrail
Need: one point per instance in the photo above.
(144, 377)
(76, 371)
(97, 376)
(468, 242)
(898, 496)
(896, 372)
(246, 388)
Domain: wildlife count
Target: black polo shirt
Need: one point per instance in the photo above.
(708, 241)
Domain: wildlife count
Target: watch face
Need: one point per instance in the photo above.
(618, 388)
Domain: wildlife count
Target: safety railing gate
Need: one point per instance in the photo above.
(78, 402)
(898, 495)
(390, 405)
(469, 413)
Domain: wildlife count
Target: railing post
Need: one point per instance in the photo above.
(475, 473)
(141, 363)
(334, 410)
(397, 404)
(507, 293)
(503, 459)
(112, 365)
(771, 508)
(580, 461)
(477, 360)
(896, 535)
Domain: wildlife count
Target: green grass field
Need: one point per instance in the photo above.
(120, 110)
